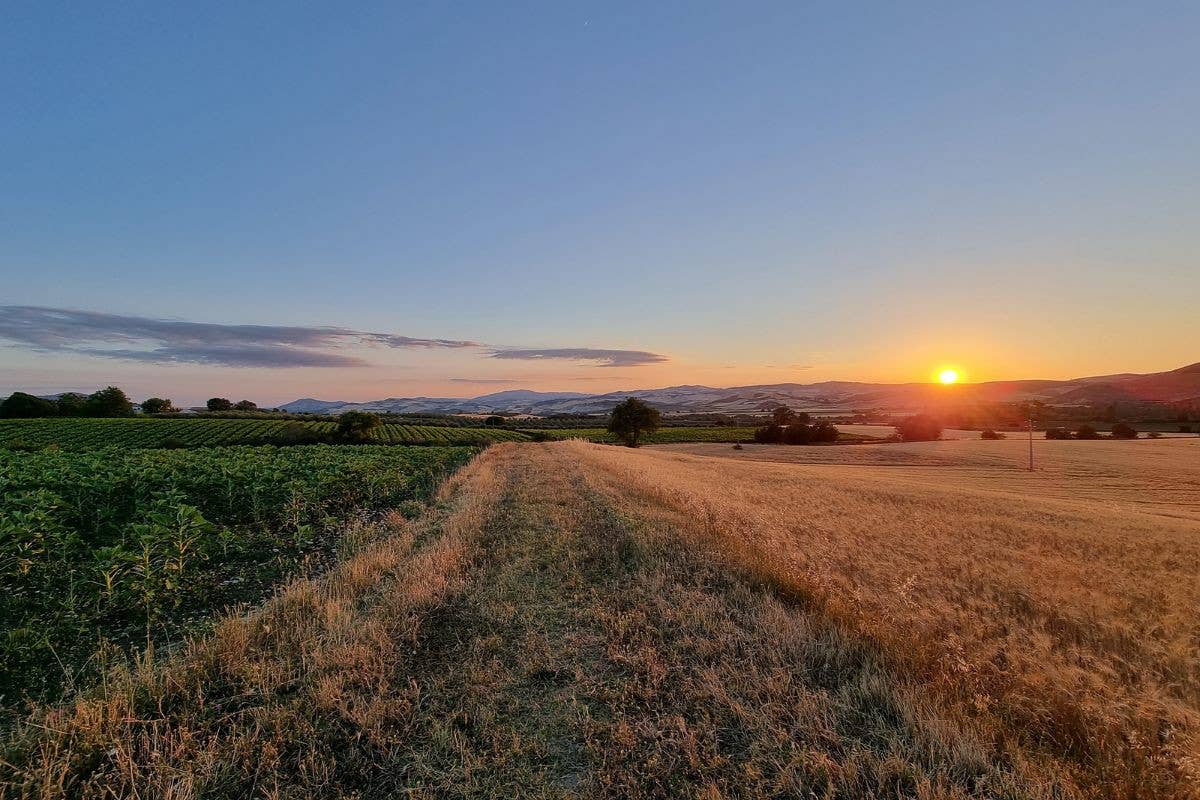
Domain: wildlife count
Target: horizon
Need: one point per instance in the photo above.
(562, 198)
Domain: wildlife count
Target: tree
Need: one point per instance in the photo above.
(358, 426)
(244, 405)
(109, 402)
(219, 404)
(1124, 431)
(20, 404)
(157, 405)
(991, 434)
(782, 416)
(1086, 432)
(920, 428)
(493, 420)
(72, 404)
(633, 419)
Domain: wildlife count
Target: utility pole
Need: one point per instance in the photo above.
(1031, 438)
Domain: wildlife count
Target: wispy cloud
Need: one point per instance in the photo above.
(602, 358)
(147, 339)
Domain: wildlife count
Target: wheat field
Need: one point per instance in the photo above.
(580, 620)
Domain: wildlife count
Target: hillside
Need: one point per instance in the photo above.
(573, 620)
(1178, 385)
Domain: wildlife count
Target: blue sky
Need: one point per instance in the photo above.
(753, 192)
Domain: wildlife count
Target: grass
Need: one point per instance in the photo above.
(580, 621)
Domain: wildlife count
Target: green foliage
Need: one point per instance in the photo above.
(157, 405)
(798, 431)
(219, 404)
(245, 405)
(631, 420)
(920, 428)
(22, 405)
(139, 432)
(127, 546)
(358, 426)
(72, 404)
(109, 402)
(493, 420)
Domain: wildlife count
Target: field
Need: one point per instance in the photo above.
(91, 434)
(665, 435)
(121, 547)
(571, 620)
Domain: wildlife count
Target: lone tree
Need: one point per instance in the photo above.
(157, 405)
(109, 402)
(920, 428)
(633, 419)
(219, 404)
(358, 426)
(20, 404)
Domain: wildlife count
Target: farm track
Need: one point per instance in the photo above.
(558, 627)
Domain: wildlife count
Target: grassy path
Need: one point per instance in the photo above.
(533, 637)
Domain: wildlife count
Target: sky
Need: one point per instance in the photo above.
(280, 200)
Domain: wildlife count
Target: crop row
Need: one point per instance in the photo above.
(92, 434)
(119, 546)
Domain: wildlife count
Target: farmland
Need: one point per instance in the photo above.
(577, 620)
(664, 435)
(91, 434)
(124, 547)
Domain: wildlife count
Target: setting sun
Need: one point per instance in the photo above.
(948, 376)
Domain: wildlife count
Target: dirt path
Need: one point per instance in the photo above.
(535, 636)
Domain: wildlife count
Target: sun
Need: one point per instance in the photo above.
(948, 376)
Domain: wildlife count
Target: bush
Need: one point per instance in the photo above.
(358, 426)
(21, 405)
(157, 405)
(920, 428)
(1124, 431)
(633, 419)
(1087, 432)
(109, 402)
(991, 434)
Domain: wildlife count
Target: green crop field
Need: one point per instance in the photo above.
(92, 434)
(100, 551)
(709, 433)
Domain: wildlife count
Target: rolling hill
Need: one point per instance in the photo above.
(1179, 385)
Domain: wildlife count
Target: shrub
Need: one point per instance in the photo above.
(920, 428)
(358, 426)
(633, 419)
(1087, 432)
(22, 405)
(991, 434)
(1124, 431)
(157, 405)
(109, 402)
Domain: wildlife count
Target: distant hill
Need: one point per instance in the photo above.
(1179, 385)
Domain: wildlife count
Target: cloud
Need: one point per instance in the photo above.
(163, 341)
(604, 358)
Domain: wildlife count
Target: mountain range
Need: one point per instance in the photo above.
(1176, 386)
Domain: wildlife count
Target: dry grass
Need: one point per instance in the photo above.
(1064, 631)
(578, 620)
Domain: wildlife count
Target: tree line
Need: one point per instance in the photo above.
(108, 402)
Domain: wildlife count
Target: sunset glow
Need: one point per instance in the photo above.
(948, 376)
